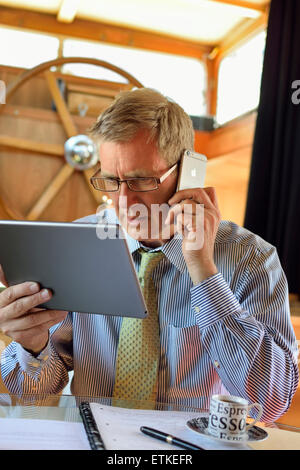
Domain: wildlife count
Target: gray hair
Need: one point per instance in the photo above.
(145, 108)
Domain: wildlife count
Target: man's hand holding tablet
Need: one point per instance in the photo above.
(52, 268)
(21, 320)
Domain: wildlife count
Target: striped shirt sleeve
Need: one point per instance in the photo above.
(47, 373)
(248, 336)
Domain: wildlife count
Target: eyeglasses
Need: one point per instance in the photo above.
(149, 183)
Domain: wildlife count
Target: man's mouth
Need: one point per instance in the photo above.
(135, 220)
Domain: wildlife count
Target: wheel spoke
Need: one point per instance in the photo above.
(61, 106)
(31, 145)
(50, 192)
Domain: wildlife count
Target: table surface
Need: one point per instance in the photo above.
(65, 408)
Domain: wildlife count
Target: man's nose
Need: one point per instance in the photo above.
(126, 196)
(124, 191)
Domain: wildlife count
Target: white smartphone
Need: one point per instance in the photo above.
(192, 170)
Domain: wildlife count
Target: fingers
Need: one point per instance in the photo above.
(187, 214)
(23, 320)
(212, 194)
(195, 215)
(33, 322)
(188, 220)
(187, 205)
(206, 196)
(18, 299)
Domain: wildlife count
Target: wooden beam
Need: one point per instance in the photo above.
(212, 69)
(103, 32)
(242, 33)
(61, 105)
(67, 11)
(51, 191)
(39, 114)
(31, 145)
(261, 7)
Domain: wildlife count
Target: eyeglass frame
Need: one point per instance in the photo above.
(157, 180)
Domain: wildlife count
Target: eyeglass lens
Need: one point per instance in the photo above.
(135, 184)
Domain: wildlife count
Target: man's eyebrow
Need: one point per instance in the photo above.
(106, 175)
(131, 174)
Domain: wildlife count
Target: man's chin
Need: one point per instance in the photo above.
(137, 234)
(146, 238)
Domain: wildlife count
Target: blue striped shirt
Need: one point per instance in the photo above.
(231, 334)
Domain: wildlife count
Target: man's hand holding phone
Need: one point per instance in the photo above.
(22, 320)
(196, 215)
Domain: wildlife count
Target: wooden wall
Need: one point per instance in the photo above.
(229, 150)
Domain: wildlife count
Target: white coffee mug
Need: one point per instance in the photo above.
(228, 415)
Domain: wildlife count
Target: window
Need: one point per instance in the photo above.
(180, 78)
(23, 49)
(239, 80)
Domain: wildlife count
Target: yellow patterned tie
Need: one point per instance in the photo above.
(139, 344)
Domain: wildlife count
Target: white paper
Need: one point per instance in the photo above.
(120, 429)
(37, 434)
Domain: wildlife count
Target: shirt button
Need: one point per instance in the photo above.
(216, 364)
(197, 309)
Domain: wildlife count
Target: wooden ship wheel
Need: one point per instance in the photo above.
(38, 162)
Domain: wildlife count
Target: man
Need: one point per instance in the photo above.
(223, 313)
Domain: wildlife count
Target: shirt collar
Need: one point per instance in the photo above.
(172, 249)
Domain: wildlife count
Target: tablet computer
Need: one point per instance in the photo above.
(86, 274)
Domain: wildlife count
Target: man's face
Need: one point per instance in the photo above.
(138, 158)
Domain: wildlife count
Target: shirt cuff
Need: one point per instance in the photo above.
(212, 300)
(30, 364)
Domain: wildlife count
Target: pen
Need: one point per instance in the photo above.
(162, 436)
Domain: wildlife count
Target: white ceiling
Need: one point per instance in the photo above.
(206, 21)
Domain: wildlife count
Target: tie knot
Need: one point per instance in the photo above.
(148, 262)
